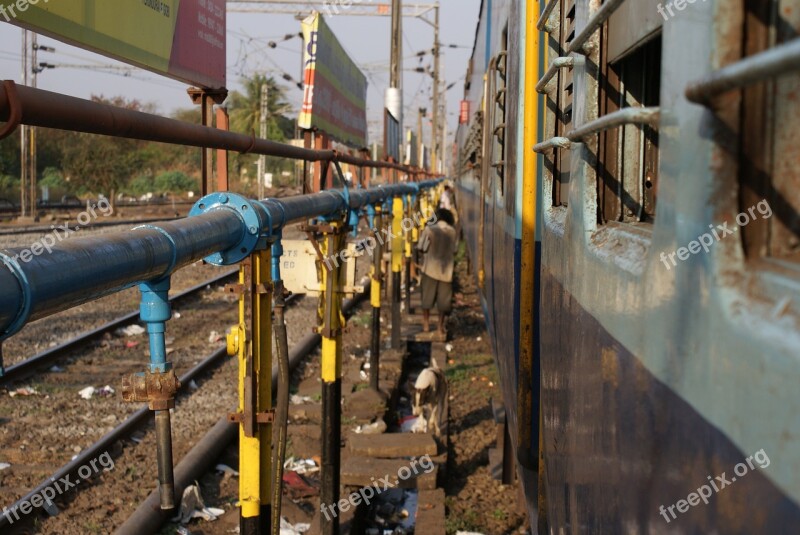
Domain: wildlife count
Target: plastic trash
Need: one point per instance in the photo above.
(4, 466)
(407, 423)
(300, 466)
(87, 392)
(192, 506)
(296, 529)
(226, 469)
(106, 391)
(131, 330)
(378, 427)
(24, 391)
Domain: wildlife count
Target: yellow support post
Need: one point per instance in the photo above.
(333, 323)
(375, 300)
(251, 342)
(408, 234)
(397, 267)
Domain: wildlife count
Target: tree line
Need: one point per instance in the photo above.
(75, 163)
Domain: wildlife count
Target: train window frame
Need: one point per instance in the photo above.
(499, 116)
(765, 173)
(561, 164)
(628, 157)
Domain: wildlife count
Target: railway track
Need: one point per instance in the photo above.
(147, 517)
(75, 227)
(23, 369)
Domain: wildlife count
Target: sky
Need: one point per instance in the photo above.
(366, 39)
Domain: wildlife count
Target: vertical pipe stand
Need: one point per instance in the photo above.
(376, 224)
(251, 341)
(158, 385)
(332, 325)
(397, 268)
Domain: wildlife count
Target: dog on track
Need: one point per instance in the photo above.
(430, 400)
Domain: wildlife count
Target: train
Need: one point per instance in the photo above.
(626, 175)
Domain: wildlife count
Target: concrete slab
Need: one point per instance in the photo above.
(431, 512)
(310, 387)
(306, 412)
(392, 445)
(364, 405)
(363, 471)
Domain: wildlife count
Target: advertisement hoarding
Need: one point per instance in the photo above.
(181, 39)
(335, 90)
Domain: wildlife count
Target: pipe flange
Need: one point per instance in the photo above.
(251, 222)
(25, 310)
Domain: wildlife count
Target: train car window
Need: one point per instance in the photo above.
(628, 156)
(563, 95)
(487, 145)
(769, 131)
(470, 156)
(500, 74)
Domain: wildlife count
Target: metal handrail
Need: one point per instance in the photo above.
(81, 269)
(53, 110)
(774, 62)
(543, 19)
(558, 63)
(600, 16)
(626, 116)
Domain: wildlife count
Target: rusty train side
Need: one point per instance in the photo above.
(627, 183)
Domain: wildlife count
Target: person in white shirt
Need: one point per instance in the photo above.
(438, 244)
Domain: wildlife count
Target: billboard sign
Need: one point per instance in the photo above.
(182, 39)
(335, 90)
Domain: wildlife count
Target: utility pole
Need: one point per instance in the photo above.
(32, 175)
(24, 190)
(420, 138)
(443, 127)
(395, 79)
(436, 74)
(262, 160)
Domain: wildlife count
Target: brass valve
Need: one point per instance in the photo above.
(156, 389)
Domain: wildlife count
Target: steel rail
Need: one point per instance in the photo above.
(26, 367)
(53, 110)
(122, 430)
(44, 229)
(149, 517)
(130, 424)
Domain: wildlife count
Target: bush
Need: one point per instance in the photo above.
(8, 182)
(141, 185)
(53, 178)
(175, 182)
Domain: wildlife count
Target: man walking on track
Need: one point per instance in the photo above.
(438, 244)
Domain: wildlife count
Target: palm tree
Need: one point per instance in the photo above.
(245, 108)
